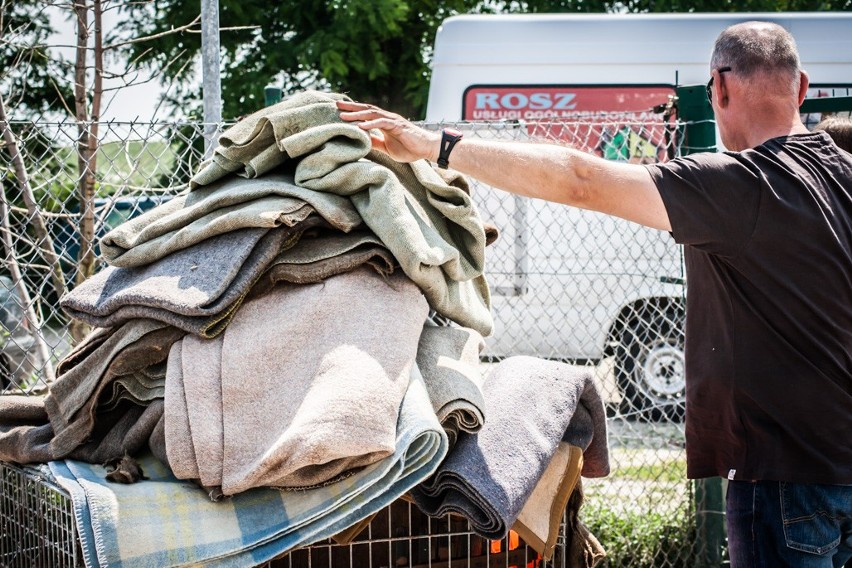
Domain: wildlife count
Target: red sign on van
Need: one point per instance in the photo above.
(613, 121)
(537, 103)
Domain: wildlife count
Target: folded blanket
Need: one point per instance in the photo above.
(80, 352)
(197, 289)
(177, 437)
(326, 255)
(538, 522)
(137, 387)
(489, 476)
(448, 359)
(314, 354)
(25, 431)
(73, 398)
(26, 434)
(124, 431)
(194, 385)
(164, 522)
(427, 221)
(587, 431)
(227, 205)
(253, 146)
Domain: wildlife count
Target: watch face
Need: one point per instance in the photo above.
(453, 132)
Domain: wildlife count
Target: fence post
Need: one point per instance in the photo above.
(694, 109)
(211, 83)
(700, 136)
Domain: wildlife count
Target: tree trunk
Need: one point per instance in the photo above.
(87, 144)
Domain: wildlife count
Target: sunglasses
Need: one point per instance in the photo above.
(710, 82)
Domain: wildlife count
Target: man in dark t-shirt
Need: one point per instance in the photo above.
(767, 229)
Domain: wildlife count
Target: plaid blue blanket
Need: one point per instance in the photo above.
(165, 522)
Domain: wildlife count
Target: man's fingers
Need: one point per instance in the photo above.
(389, 132)
(361, 115)
(358, 112)
(382, 123)
(352, 106)
(378, 143)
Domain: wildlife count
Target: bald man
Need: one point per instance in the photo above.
(767, 229)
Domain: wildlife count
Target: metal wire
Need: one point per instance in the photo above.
(37, 525)
(402, 536)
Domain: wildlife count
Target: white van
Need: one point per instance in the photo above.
(572, 284)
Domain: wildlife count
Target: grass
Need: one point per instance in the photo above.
(642, 512)
(135, 164)
(629, 464)
(642, 540)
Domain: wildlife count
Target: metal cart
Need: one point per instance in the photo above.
(38, 529)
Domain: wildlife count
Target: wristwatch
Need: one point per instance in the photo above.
(449, 138)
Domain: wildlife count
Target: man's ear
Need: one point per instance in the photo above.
(721, 89)
(804, 82)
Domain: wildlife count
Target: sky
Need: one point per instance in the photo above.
(135, 103)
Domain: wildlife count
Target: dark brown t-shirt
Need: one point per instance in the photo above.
(768, 235)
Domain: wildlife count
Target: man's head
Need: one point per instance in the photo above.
(761, 85)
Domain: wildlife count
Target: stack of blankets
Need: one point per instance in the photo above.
(263, 372)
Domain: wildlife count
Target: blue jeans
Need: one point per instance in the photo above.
(775, 524)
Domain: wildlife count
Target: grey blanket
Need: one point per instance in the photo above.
(324, 255)
(135, 387)
(448, 359)
(530, 404)
(25, 431)
(330, 362)
(196, 289)
(73, 398)
(227, 205)
(122, 432)
(427, 221)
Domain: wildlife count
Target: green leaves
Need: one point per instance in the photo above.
(26, 77)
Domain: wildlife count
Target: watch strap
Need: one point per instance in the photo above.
(449, 138)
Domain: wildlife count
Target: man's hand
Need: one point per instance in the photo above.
(398, 138)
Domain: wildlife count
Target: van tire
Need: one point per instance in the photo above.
(649, 365)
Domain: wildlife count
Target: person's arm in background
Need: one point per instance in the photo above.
(545, 171)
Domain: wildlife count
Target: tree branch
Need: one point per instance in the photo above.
(31, 318)
(155, 36)
(46, 248)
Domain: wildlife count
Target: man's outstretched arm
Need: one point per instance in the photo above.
(546, 171)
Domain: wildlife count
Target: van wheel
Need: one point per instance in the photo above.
(649, 365)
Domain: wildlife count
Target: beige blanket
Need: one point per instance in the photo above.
(539, 520)
(302, 388)
(428, 222)
(230, 204)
